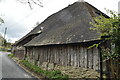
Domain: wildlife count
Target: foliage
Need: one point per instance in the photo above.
(56, 74)
(109, 27)
(11, 55)
(1, 21)
(6, 46)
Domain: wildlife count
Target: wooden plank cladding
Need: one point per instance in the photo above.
(68, 55)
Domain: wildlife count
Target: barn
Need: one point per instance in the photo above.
(18, 48)
(64, 39)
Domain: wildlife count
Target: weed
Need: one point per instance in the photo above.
(56, 74)
(11, 55)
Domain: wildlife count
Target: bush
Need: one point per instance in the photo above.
(56, 74)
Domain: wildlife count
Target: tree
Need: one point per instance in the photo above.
(1, 21)
(110, 27)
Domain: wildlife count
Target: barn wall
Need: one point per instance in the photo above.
(68, 55)
(19, 52)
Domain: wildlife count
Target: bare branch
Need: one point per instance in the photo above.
(31, 2)
(23, 1)
(37, 3)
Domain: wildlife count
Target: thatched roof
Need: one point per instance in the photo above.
(36, 31)
(70, 25)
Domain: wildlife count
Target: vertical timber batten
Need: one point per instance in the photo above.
(67, 55)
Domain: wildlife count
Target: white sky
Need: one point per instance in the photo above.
(19, 19)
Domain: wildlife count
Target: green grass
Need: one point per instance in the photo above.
(56, 74)
(11, 55)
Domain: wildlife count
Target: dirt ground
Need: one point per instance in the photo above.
(78, 72)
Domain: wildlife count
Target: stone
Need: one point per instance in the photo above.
(51, 66)
(78, 72)
(44, 65)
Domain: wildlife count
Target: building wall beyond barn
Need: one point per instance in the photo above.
(19, 52)
(68, 55)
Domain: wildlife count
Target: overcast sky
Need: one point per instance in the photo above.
(20, 19)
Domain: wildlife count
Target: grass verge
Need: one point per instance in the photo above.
(56, 74)
(11, 55)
